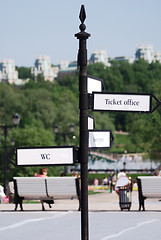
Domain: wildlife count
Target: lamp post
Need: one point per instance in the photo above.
(124, 163)
(64, 137)
(16, 120)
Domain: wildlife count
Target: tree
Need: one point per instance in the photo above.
(24, 72)
(41, 104)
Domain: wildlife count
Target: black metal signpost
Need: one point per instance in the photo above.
(83, 106)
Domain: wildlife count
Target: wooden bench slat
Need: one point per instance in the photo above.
(31, 187)
(57, 189)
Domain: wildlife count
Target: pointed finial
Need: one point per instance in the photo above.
(82, 15)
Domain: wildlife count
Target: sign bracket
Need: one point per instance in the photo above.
(112, 138)
(90, 101)
(9, 157)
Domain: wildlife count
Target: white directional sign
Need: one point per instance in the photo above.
(90, 123)
(100, 139)
(45, 156)
(94, 84)
(122, 102)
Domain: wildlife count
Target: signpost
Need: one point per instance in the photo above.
(120, 102)
(38, 156)
(83, 118)
(100, 139)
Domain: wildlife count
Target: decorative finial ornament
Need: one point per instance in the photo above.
(82, 27)
(82, 15)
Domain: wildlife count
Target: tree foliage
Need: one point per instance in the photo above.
(41, 104)
(24, 72)
(139, 77)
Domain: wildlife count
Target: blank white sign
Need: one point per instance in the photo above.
(44, 156)
(94, 85)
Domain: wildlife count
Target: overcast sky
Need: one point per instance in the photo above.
(30, 28)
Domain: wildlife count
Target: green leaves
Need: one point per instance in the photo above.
(24, 72)
(139, 77)
(42, 104)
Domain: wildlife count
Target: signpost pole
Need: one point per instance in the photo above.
(83, 106)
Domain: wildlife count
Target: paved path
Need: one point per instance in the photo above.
(63, 221)
(98, 202)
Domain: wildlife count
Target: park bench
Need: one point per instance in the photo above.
(148, 187)
(45, 189)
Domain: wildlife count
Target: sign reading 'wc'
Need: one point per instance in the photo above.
(45, 156)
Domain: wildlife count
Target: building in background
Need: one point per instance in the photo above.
(99, 56)
(157, 56)
(122, 59)
(63, 65)
(66, 69)
(145, 52)
(8, 71)
(43, 66)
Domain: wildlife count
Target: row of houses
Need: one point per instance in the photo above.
(42, 65)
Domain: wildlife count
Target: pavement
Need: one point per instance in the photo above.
(104, 201)
(63, 220)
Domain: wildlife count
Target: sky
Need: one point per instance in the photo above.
(31, 28)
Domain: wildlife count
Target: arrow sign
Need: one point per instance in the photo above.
(100, 138)
(123, 102)
(94, 84)
(45, 156)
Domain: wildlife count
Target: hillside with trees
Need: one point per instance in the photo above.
(42, 104)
